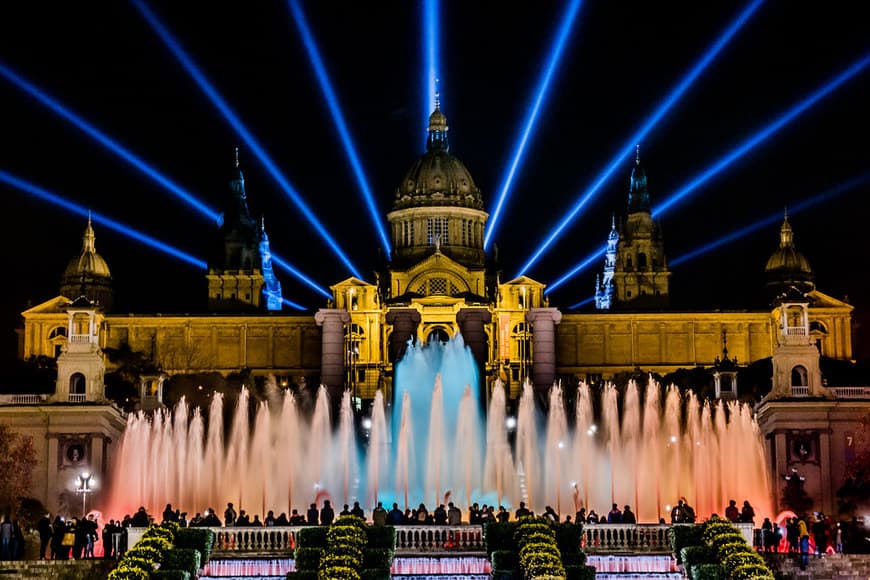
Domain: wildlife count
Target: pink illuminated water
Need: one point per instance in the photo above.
(646, 447)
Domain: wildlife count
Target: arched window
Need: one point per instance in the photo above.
(799, 377)
(641, 262)
(77, 388)
(438, 335)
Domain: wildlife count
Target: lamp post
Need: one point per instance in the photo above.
(85, 483)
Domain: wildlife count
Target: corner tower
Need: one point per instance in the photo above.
(641, 274)
(235, 278)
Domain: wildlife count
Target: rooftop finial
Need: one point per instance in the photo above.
(785, 213)
(637, 154)
(437, 95)
(236, 158)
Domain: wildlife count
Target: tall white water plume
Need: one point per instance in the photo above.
(644, 446)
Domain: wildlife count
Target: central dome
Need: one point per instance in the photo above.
(437, 178)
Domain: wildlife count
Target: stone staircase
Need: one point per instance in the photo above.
(829, 567)
(55, 569)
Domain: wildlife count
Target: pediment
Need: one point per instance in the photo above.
(56, 305)
(524, 281)
(437, 261)
(822, 300)
(352, 282)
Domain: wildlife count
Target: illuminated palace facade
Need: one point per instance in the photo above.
(440, 282)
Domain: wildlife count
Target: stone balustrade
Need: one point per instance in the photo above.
(637, 538)
(409, 539)
(429, 538)
(597, 539)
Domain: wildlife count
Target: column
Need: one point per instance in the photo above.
(52, 488)
(332, 356)
(825, 471)
(472, 323)
(404, 322)
(543, 321)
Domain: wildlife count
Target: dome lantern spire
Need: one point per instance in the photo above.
(437, 139)
(638, 193)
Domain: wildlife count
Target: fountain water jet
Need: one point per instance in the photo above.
(664, 445)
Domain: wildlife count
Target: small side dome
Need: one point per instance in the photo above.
(87, 275)
(89, 263)
(787, 268)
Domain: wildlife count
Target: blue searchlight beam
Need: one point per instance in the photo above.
(762, 135)
(640, 134)
(338, 119)
(77, 209)
(735, 154)
(106, 141)
(431, 49)
(118, 227)
(128, 156)
(755, 226)
(242, 131)
(543, 85)
(772, 219)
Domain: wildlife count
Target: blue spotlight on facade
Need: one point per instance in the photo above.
(106, 141)
(59, 201)
(302, 277)
(543, 85)
(772, 219)
(641, 133)
(431, 49)
(116, 226)
(234, 121)
(737, 152)
(338, 119)
(122, 152)
(762, 135)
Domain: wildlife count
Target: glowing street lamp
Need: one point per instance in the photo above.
(86, 484)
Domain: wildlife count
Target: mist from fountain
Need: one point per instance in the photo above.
(440, 445)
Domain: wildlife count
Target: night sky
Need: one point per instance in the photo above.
(106, 64)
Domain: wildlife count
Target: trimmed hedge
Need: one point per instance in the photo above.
(708, 572)
(696, 555)
(312, 536)
(716, 550)
(377, 558)
(684, 535)
(568, 538)
(187, 559)
(375, 574)
(381, 537)
(308, 558)
(499, 536)
(200, 539)
(579, 572)
(505, 560)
